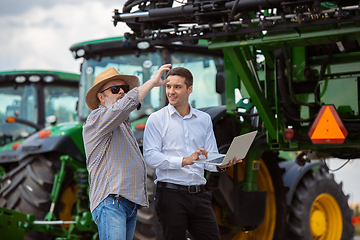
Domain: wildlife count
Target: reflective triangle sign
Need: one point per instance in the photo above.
(327, 127)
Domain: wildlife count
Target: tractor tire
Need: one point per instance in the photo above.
(274, 224)
(147, 224)
(319, 209)
(27, 189)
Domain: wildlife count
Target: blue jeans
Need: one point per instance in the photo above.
(115, 218)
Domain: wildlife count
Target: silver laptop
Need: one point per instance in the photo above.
(238, 148)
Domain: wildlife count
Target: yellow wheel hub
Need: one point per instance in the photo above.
(326, 221)
(318, 223)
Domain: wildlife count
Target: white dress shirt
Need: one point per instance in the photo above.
(169, 137)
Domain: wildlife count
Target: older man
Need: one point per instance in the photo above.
(117, 171)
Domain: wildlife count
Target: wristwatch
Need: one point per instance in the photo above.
(221, 169)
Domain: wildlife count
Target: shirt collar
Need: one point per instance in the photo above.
(172, 110)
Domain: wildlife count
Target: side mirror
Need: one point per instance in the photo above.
(52, 119)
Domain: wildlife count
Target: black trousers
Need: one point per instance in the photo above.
(179, 211)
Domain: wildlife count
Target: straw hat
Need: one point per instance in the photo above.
(104, 77)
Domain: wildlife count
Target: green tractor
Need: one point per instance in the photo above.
(31, 100)
(281, 67)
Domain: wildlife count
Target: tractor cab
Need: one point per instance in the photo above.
(142, 60)
(29, 98)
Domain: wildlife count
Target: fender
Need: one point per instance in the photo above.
(36, 145)
(215, 113)
(294, 173)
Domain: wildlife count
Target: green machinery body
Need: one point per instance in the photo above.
(277, 65)
(31, 100)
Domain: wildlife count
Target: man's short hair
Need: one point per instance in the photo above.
(182, 72)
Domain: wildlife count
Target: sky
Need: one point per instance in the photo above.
(349, 175)
(37, 34)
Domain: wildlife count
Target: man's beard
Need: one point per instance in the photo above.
(109, 102)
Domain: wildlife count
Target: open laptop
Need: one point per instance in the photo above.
(238, 148)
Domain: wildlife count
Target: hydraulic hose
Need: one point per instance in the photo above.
(282, 87)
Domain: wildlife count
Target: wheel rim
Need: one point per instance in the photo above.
(326, 221)
(267, 227)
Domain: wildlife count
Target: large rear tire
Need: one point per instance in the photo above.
(319, 209)
(27, 189)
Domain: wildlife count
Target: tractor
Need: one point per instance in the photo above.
(33, 99)
(275, 66)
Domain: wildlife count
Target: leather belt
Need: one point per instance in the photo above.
(190, 189)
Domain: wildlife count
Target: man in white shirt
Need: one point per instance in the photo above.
(174, 137)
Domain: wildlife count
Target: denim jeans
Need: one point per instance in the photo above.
(115, 218)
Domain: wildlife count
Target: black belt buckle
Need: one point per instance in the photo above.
(196, 187)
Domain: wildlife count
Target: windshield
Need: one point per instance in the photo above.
(23, 102)
(61, 102)
(203, 68)
(20, 101)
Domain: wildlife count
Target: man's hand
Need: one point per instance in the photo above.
(156, 79)
(231, 163)
(195, 156)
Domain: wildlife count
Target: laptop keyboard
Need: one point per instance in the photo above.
(217, 160)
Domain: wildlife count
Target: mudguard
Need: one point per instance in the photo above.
(215, 112)
(36, 145)
(294, 173)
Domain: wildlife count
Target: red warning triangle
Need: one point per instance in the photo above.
(327, 127)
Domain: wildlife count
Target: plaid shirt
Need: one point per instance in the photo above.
(114, 160)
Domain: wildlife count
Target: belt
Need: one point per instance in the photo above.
(190, 189)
